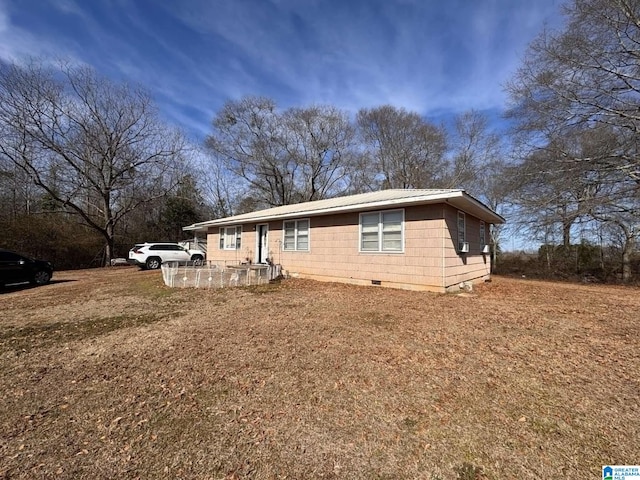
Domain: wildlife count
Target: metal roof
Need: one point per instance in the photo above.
(361, 202)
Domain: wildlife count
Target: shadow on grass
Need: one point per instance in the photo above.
(26, 338)
(17, 287)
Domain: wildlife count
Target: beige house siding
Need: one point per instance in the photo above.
(464, 267)
(247, 251)
(430, 260)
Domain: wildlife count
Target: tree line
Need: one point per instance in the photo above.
(279, 157)
(86, 161)
(575, 110)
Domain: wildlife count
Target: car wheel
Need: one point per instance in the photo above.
(197, 260)
(41, 277)
(153, 263)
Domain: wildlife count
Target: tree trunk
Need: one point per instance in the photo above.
(627, 249)
(109, 246)
(566, 235)
(108, 253)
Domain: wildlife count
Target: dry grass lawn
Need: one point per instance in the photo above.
(109, 374)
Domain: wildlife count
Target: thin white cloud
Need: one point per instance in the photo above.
(354, 65)
(14, 42)
(423, 56)
(70, 7)
(18, 44)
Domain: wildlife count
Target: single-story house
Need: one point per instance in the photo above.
(414, 239)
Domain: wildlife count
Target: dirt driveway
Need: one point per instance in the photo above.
(110, 374)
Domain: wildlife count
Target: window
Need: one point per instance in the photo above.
(483, 240)
(230, 238)
(296, 235)
(382, 231)
(461, 231)
(166, 247)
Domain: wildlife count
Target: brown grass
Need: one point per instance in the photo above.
(112, 375)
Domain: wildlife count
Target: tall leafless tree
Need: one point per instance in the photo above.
(584, 82)
(585, 75)
(408, 151)
(300, 154)
(320, 139)
(474, 147)
(97, 149)
(247, 135)
(219, 188)
(552, 196)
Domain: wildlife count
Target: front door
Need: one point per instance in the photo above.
(263, 243)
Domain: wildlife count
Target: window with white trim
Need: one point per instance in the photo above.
(230, 238)
(483, 239)
(382, 231)
(296, 235)
(462, 235)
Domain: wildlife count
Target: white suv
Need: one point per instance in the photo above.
(152, 255)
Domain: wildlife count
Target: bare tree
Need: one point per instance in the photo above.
(585, 75)
(298, 155)
(553, 193)
(247, 135)
(475, 148)
(556, 191)
(96, 148)
(408, 151)
(363, 175)
(620, 217)
(17, 193)
(320, 140)
(219, 188)
(580, 86)
(624, 235)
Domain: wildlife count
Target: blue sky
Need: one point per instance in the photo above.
(437, 58)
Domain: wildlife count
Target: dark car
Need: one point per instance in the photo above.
(16, 268)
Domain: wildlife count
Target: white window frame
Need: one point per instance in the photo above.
(235, 232)
(380, 232)
(462, 230)
(297, 235)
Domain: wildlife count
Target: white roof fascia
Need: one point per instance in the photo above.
(265, 215)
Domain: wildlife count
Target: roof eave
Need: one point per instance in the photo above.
(458, 198)
(477, 209)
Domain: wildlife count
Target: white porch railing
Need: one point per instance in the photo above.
(217, 276)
